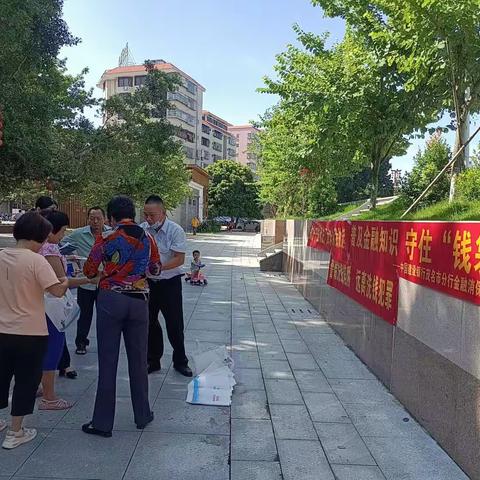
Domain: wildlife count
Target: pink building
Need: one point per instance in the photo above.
(245, 135)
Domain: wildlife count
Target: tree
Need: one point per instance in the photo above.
(136, 152)
(38, 99)
(232, 191)
(363, 113)
(428, 164)
(357, 186)
(434, 43)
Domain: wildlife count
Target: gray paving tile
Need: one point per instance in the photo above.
(357, 472)
(335, 367)
(177, 416)
(208, 336)
(57, 451)
(249, 404)
(255, 471)
(172, 390)
(366, 392)
(325, 407)
(292, 422)
(312, 381)
(268, 338)
(249, 377)
(383, 421)
(294, 346)
(209, 325)
(284, 392)
(303, 460)
(246, 359)
(264, 327)
(343, 444)
(12, 460)
(279, 369)
(302, 361)
(253, 440)
(412, 458)
(174, 456)
(271, 352)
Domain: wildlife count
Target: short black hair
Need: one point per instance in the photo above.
(154, 199)
(95, 208)
(195, 251)
(57, 219)
(120, 207)
(45, 202)
(32, 226)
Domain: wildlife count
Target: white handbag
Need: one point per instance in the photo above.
(61, 311)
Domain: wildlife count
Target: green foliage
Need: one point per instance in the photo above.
(209, 226)
(135, 156)
(427, 165)
(468, 184)
(232, 191)
(457, 211)
(434, 44)
(343, 110)
(38, 98)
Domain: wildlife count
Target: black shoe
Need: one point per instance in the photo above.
(143, 425)
(71, 374)
(81, 349)
(154, 367)
(184, 370)
(90, 429)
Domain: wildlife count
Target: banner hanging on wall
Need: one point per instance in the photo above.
(367, 258)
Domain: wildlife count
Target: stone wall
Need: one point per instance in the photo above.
(430, 360)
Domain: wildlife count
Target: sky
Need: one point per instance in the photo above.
(228, 46)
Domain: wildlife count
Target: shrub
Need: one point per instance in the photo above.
(209, 226)
(468, 184)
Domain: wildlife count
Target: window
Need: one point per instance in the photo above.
(191, 87)
(205, 142)
(187, 118)
(231, 152)
(205, 155)
(216, 157)
(217, 147)
(186, 135)
(189, 152)
(217, 134)
(180, 97)
(206, 129)
(250, 135)
(216, 122)
(157, 112)
(140, 80)
(125, 82)
(232, 141)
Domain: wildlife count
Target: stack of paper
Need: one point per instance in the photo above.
(214, 380)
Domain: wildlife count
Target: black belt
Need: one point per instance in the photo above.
(139, 296)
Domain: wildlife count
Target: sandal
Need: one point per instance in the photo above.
(89, 428)
(72, 374)
(58, 404)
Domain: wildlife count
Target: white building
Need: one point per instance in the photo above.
(217, 143)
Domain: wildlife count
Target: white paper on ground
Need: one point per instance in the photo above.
(218, 355)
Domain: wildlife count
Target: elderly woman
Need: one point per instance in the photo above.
(24, 277)
(56, 339)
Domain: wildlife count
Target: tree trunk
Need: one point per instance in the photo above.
(460, 163)
(374, 183)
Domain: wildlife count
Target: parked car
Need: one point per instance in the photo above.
(249, 226)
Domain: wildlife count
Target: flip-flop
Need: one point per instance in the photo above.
(58, 404)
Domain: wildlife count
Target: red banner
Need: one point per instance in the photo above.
(367, 259)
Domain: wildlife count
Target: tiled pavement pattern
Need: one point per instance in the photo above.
(305, 407)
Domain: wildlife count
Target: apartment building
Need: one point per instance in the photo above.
(186, 113)
(245, 135)
(187, 101)
(217, 143)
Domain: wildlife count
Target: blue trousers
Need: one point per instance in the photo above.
(119, 314)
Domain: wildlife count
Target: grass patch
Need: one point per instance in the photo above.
(460, 210)
(342, 211)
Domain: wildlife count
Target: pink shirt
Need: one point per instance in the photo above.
(52, 250)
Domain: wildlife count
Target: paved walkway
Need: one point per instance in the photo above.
(304, 408)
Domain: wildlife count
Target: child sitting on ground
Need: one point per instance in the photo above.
(196, 277)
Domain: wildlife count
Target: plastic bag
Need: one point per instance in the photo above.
(62, 311)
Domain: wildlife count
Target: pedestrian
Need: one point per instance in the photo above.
(127, 253)
(24, 276)
(56, 339)
(83, 240)
(166, 288)
(195, 225)
(44, 204)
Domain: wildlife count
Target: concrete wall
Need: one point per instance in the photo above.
(430, 360)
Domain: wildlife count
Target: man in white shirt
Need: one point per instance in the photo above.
(166, 288)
